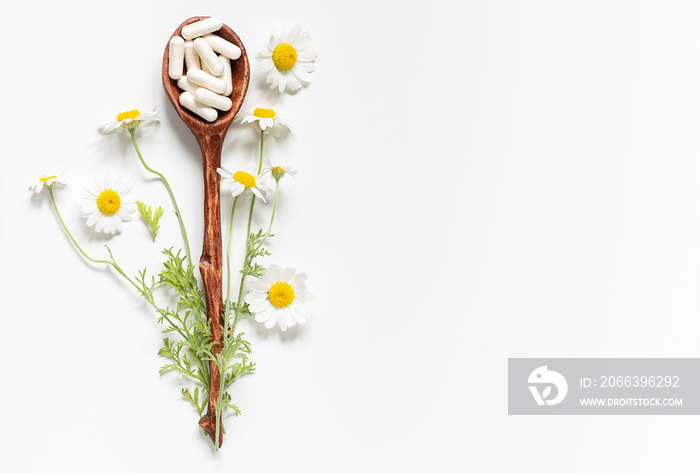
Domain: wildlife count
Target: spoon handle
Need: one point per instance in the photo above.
(210, 266)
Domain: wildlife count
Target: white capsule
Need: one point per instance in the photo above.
(186, 85)
(176, 56)
(220, 45)
(206, 69)
(202, 27)
(202, 79)
(226, 76)
(191, 58)
(188, 101)
(207, 97)
(208, 56)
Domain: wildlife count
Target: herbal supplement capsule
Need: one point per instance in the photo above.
(202, 79)
(220, 45)
(207, 97)
(226, 76)
(176, 56)
(200, 28)
(186, 85)
(191, 58)
(188, 101)
(206, 69)
(208, 56)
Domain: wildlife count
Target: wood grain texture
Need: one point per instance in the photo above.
(210, 137)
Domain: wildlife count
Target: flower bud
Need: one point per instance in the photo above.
(278, 172)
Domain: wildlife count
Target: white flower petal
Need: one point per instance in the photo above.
(259, 306)
(273, 77)
(288, 274)
(288, 318)
(271, 322)
(237, 188)
(308, 54)
(123, 188)
(301, 42)
(258, 194)
(117, 223)
(224, 173)
(291, 35)
(254, 297)
(264, 315)
(305, 296)
(109, 127)
(128, 208)
(292, 82)
(301, 74)
(299, 278)
(275, 272)
(297, 314)
(282, 319)
(124, 216)
(299, 309)
(266, 281)
(307, 67)
(92, 218)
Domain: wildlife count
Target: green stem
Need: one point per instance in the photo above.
(262, 141)
(232, 330)
(170, 192)
(250, 219)
(272, 218)
(228, 252)
(111, 263)
(65, 228)
(219, 410)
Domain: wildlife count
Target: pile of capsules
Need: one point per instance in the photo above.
(207, 84)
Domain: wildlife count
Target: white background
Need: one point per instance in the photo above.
(479, 180)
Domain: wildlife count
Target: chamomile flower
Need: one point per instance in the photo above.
(132, 120)
(278, 297)
(48, 180)
(288, 60)
(108, 204)
(240, 181)
(277, 172)
(266, 119)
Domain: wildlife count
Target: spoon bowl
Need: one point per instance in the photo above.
(240, 73)
(210, 136)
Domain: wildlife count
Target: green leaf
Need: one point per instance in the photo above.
(150, 217)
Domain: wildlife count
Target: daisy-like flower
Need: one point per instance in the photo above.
(277, 172)
(239, 181)
(278, 297)
(266, 119)
(288, 60)
(132, 120)
(48, 180)
(108, 204)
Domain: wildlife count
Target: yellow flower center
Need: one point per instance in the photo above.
(45, 179)
(264, 113)
(284, 56)
(281, 294)
(278, 172)
(129, 114)
(109, 202)
(244, 178)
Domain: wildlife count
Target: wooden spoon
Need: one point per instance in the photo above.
(210, 136)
